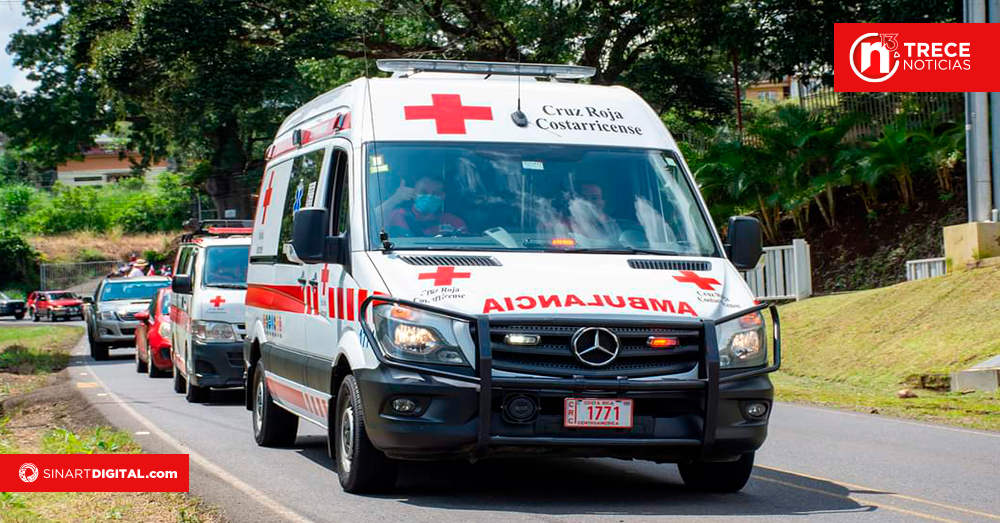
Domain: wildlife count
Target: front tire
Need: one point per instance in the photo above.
(728, 476)
(34, 315)
(180, 385)
(362, 468)
(19, 316)
(98, 350)
(273, 426)
(154, 372)
(140, 366)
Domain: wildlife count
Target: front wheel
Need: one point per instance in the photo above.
(196, 394)
(19, 316)
(34, 315)
(140, 366)
(730, 476)
(362, 468)
(273, 426)
(98, 350)
(180, 385)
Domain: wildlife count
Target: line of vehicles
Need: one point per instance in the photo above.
(461, 262)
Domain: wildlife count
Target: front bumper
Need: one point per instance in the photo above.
(676, 420)
(118, 333)
(65, 313)
(217, 365)
(11, 310)
(160, 357)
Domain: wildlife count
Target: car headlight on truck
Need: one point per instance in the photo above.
(419, 336)
(212, 331)
(742, 341)
(107, 316)
(165, 330)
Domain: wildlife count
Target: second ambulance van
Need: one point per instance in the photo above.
(473, 260)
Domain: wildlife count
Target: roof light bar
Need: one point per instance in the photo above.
(407, 66)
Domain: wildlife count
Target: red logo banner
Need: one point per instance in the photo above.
(916, 57)
(94, 473)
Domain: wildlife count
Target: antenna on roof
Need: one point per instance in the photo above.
(519, 118)
(383, 235)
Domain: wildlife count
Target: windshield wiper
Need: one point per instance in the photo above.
(227, 285)
(629, 250)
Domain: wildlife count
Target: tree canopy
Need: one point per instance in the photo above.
(207, 81)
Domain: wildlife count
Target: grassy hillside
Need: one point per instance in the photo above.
(87, 246)
(857, 350)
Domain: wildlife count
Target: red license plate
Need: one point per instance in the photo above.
(597, 413)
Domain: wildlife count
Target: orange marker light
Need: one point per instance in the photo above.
(563, 242)
(660, 342)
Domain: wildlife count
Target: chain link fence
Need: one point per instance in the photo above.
(81, 278)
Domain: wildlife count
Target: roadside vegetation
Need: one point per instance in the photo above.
(857, 350)
(40, 412)
(29, 355)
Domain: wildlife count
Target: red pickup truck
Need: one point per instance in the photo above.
(54, 304)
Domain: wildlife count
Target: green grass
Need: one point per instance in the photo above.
(98, 440)
(857, 350)
(40, 337)
(29, 354)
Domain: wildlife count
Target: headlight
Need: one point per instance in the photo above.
(107, 315)
(212, 331)
(415, 335)
(164, 330)
(742, 342)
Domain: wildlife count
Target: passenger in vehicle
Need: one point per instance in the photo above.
(588, 216)
(426, 216)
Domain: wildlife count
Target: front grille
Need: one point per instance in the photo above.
(670, 265)
(457, 261)
(127, 331)
(553, 356)
(126, 316)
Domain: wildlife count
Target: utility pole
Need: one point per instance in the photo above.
(994, 18)
(977, 135)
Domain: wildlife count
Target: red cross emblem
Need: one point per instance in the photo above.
(443, 276)
(325, 276)
(704, 284)
(448, 113)
(216, 301)
(267, 197)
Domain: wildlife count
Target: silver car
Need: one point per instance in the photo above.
(111, 319)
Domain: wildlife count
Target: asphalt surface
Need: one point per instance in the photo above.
(817, 465)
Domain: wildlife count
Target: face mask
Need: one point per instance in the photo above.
(427, 203)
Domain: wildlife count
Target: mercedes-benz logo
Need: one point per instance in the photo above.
(595, 346)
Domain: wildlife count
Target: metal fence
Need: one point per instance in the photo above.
(926, 268)
(81, 278)
(920, 109)
(785, 275)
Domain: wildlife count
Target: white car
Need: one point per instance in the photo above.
(206, 309)
(462, 261)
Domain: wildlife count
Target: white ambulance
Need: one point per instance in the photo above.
(474, 259)
(206, 308)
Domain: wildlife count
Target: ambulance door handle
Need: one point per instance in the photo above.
(302, 280)
(314, 282)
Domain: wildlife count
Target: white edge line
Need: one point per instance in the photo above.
(886, 418)
(233, 481)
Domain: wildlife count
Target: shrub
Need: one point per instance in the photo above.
(15, 203)
(17, 261)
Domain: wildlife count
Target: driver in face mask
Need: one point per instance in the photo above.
(425, 217)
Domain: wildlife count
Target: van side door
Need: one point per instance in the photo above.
(331, 289)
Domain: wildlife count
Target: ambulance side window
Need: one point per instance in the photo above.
(302, 188)
(182, 261)
(340, 218)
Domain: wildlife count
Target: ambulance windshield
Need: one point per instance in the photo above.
(503, 196)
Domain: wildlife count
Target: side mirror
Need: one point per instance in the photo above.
(142, 316)
(309, 239)
(181, 285)
(745, 242)
(88, 299)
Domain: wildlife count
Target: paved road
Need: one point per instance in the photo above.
(817, 465)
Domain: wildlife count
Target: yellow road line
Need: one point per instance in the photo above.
(86, 385)
(883, 492)
(874, 503)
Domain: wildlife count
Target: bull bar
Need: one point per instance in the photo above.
(709, 376)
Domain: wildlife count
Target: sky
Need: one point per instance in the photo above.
(12, 20)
